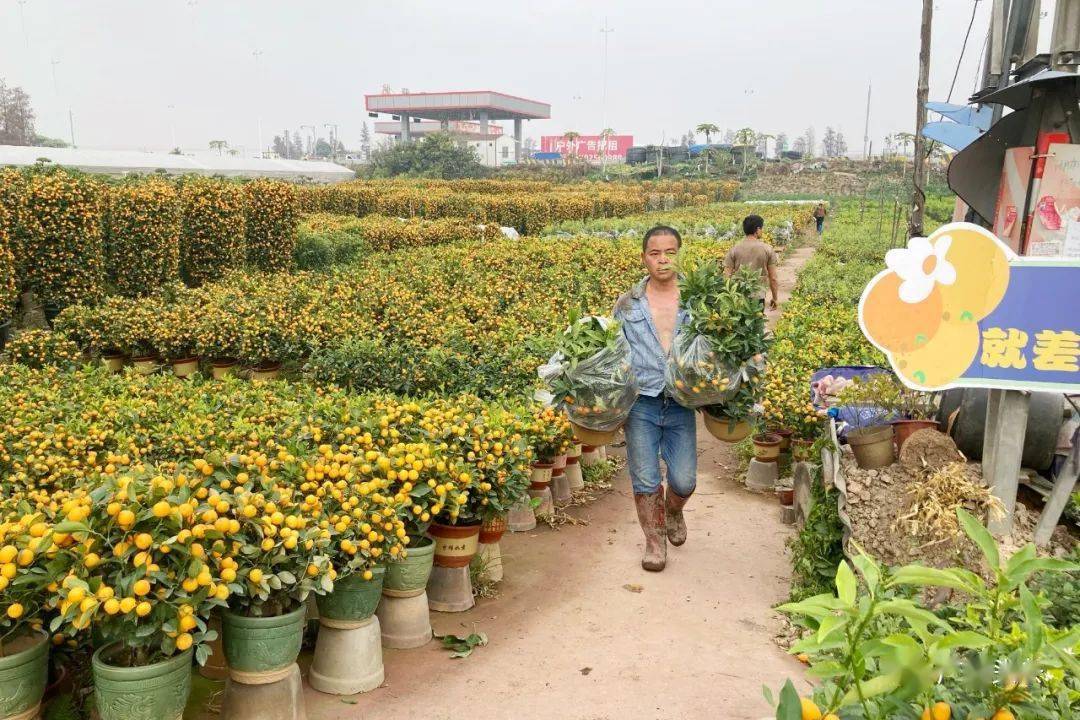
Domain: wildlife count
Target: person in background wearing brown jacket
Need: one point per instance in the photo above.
(819, 217)
(754, 252)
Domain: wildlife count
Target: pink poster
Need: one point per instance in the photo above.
(1008, 215)
(590, 147)
(1055, 226)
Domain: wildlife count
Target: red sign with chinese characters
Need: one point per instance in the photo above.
(589, 147)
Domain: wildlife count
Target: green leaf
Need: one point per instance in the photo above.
(921, 576)
(963, 639)
(910, 612)
(981, 537)
(826, 670)
(846, 585)
(1033, 619)
(829, 625)
(70, 527)
(868, 569)
(873, 687)
(790, 707)
(766, 691)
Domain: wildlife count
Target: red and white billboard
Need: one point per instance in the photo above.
(589, 147)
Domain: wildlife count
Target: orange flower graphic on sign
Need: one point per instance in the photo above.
(923, 311)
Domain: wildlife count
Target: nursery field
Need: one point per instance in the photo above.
(224, 405)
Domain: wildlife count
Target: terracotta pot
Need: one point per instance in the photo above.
(185, 367)
(873, 446)
(902, 429)
(786, 496)
(114, 362)
(455, 545)
(594, 437)
(265, 372)
(785, 437)
(222, 367)
(492, 530)
(541, 475)
(574, 453)
(145, 364)
(767, 447)
(560, 462)
(725, 429)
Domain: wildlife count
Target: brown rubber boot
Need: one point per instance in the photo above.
(676, 524)
(650, 513)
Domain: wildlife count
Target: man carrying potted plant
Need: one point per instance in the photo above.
(754, 252)
(657, 426)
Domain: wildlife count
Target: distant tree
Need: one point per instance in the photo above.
(781, 142)
(176, 151)
(762, 140)
(16, 116)
(841, 144)
(691, 138)
(708, 130)
(571, 136)
(323, 148)
(219, 145)
(44, 141)
(530, 145)
(799, 145)
(365, 141)
(280, 145)
(903, 140)
(828, 142)
(745, 141)
(810, 140)
(438, 155)
(729, 137)
(233, 152)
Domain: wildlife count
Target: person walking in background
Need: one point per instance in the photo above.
(754, 252)
(658, 427)
(819, 217)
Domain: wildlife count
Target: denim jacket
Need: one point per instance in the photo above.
(647, 355)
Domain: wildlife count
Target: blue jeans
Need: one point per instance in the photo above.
(820, 224)
(658, 427)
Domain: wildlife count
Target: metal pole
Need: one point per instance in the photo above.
(258, 97)
(55, 87)
(22, 18)
(606, 31)
(866, 128)
(71, 126)
(918, 200)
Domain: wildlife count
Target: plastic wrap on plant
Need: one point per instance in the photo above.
(695, 377)
(603, 386)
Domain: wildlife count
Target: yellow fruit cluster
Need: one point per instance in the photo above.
(212, 242)
(8, 289)
(61, 252)
(42, 348)
(142, 236)
(271, 215)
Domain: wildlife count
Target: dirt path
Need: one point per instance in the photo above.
(569, 641)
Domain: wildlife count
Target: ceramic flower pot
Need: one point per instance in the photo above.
(24, 672)
(767, 447)
(222, 367)
(903, 429)
(492, 530)
(455, 545)
(185, 367)
(262, 650)
(410, 574)
(595, 438)
(725, 429)
(148, 692)
(873, 446)
(145, 364)
(540, 475)
(114, 362)
(353, 598)
(266, 372)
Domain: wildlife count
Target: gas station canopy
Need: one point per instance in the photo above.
(463, 105)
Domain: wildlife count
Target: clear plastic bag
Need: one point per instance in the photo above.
(596, 392)
(696, 377)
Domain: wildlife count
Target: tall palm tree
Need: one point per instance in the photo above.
(219, 145)
(570, 136)
(745, 139)
(707, 129)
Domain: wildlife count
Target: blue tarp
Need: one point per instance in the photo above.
(964, 114)
(547, 156)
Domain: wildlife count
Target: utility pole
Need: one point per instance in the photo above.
(312, 128)
(333, 128)
(71, 125)
(866, 128)
(56, 88)
(258, 99)
(918, 200)
(22, 17)
(606, 32)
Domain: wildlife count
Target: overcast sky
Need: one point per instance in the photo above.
(773, 65)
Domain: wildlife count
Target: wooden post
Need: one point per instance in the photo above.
(1003, 448)
(922, 94)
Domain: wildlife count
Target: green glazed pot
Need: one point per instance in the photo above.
(151, 692)
(23, 677)
(354, 598)
(261, 650)
(412, 573)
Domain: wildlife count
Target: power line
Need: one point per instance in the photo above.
(963, 48)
